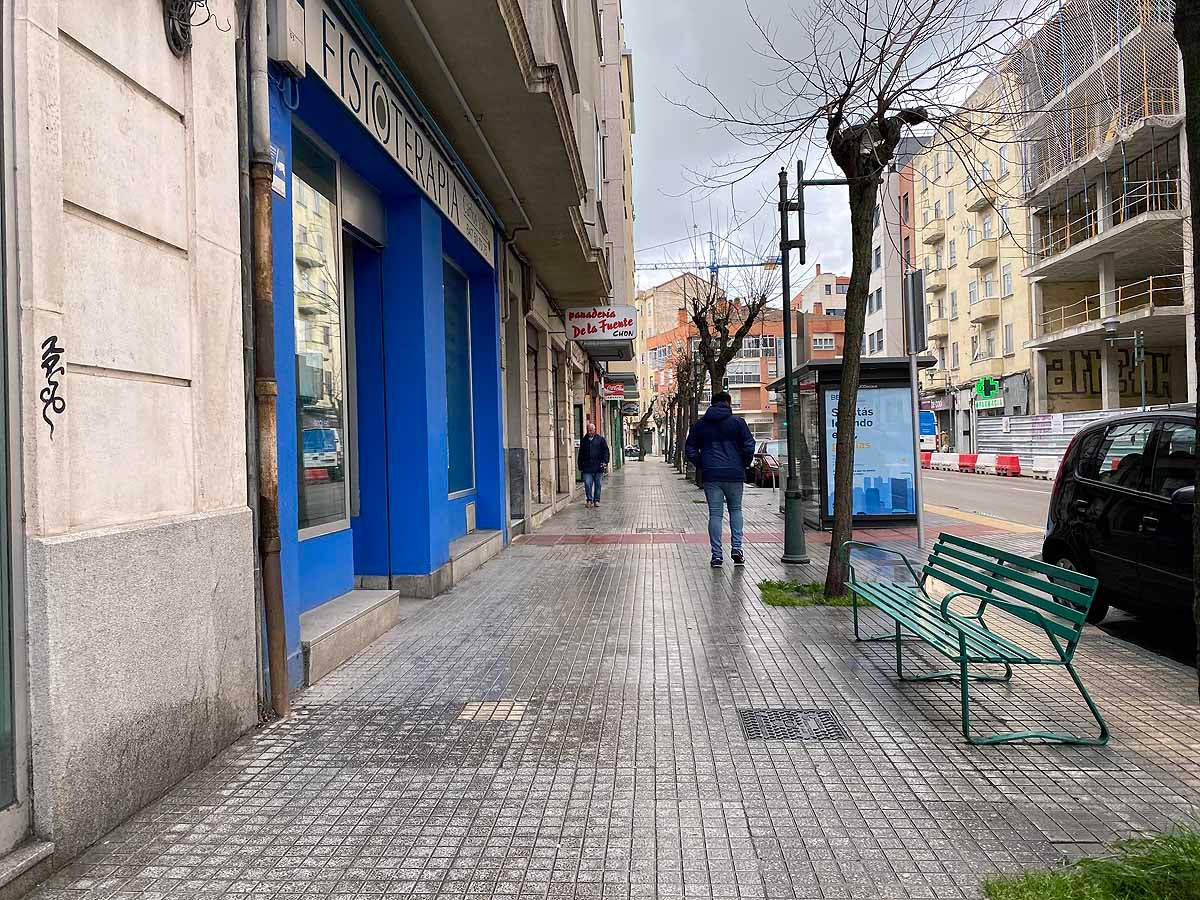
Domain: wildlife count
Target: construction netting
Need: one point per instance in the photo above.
(1095, 71)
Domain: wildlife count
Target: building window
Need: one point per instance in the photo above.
(822, 342)
(843, 288)
(937, 257)
(459, 408)
(985, 171)
(1003, 159)
(1006, 280)
(954, 355)
(953, 253)
(937, 209)
(974, 348)
(954, 304)
(988, 224)
(950, 202)
(989, 285)
(973, 292)
(990, 342)
(949, 159)
(876, 218)
(879, 341)
(1008, 339)
(972, 236)
(908, 251)
(828, 290)
(1005, 223)
(925, 215)
(904, 208)
(925, 178)
(323, 499)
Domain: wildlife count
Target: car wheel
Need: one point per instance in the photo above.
(1099, 608)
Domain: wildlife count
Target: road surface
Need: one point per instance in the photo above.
(1022, 500)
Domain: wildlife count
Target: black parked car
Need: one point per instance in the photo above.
(1121, 510)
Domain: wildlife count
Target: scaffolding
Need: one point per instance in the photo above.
(1093, 74)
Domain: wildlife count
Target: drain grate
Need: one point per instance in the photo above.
(494, 711)
(792, 725)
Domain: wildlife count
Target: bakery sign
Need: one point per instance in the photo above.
(334, 53)
(601, 323)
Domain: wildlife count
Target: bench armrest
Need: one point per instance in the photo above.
(844, 554)
(949, 615)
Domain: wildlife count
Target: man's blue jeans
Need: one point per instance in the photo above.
(591, 485)
(720, 493)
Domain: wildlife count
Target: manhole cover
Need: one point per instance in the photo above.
(494, 711)
(792, 725)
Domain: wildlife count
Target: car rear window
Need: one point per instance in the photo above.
(1117, 458)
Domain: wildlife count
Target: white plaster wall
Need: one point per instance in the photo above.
(139, 546)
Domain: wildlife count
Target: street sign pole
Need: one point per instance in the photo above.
(915, 338)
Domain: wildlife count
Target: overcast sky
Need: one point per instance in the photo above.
(712, 42)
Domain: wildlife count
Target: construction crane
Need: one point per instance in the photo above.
(712, 265)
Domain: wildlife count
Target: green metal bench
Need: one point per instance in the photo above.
(1053, 599)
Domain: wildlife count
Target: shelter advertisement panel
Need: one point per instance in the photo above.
(884, 469)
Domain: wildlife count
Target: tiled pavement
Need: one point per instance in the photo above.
(626, 774)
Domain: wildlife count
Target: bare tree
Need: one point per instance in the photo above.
(689, 382)
(1187, 33)
(640, 428)
(860, 73)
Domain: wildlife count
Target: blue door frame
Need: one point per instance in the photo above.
(405, 520)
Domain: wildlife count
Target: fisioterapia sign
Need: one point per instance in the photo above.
(335, 55)
(601, 323)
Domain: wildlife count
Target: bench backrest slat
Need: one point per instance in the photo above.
(1033, 590)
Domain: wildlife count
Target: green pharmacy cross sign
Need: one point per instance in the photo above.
(989, 394)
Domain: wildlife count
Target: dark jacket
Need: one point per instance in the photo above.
(721, 445)
(593, 454)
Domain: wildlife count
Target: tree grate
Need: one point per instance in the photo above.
(792, 725)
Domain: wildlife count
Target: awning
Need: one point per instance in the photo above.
(608, 351)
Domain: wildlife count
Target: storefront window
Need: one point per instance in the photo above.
(320, 352)
(458, 380)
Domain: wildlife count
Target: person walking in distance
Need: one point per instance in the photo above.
(592, 463)
(722, 447)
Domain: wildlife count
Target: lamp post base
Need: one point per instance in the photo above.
(795, 549)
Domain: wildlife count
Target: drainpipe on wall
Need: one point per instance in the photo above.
(247, 273)
(266, 387)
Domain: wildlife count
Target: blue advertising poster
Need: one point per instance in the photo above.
(884, 475)
(928, 423)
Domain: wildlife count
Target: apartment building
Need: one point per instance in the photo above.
(757, 364)
(971, 241)
(883, 328)
(1108, 206)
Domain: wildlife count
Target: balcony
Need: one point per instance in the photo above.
(1143, 219)
(983, 253)
(985, 310)
(308, 255)
(937, 329)
(1142, 298)
(981, 195)
(987, 366)
(935, 280)
(933, 231)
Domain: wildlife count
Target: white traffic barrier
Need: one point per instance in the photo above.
(946, 462)
(1046, 467)
(985, 464)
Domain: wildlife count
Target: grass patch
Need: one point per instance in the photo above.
(1159, 868)
(793, 593)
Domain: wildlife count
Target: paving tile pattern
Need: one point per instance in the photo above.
(626, 773)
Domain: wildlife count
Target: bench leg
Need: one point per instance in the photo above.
(1056, 737)
(871, 638)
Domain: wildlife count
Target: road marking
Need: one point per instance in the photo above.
(1003, 524)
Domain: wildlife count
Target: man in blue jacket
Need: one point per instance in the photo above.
(721, 445)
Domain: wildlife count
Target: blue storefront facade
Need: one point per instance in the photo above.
(387, 331)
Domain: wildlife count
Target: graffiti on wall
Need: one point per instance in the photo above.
(52, 370)
(1075, 374)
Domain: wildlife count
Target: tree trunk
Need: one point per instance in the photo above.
(1187, 33)
(863, 191)
(716, 375)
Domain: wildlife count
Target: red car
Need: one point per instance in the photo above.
(764, 470)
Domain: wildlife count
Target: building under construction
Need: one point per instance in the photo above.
(1098, 89)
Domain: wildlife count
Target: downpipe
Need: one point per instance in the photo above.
(266, 386)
